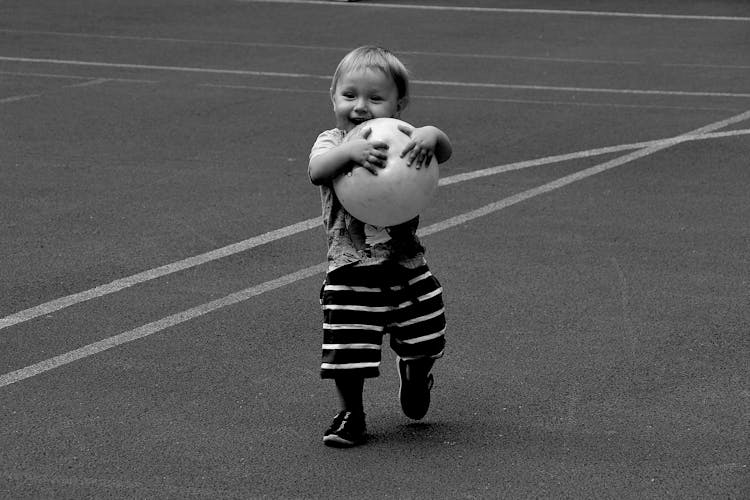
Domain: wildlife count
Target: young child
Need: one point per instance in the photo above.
(378, 280)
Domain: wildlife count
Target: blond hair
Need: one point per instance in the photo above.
(372, 57)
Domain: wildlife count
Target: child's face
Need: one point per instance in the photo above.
(363, 95)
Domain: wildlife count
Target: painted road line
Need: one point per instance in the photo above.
(544, 102)
(184, 69)
(126, 282)
(588, 172)
(311, 47)
(554, 88)
(433, 83)
(122, 283)
(195, 312)
(157, 326)
(16, 98)
(89, 83)
(475, 174)
(501, 10)
(62, 76)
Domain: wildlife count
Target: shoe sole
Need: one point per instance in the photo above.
(335, 441)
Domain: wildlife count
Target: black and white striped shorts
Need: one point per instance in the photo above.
(360, 304)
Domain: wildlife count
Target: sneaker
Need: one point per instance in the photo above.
(414, 394)
(348, 429)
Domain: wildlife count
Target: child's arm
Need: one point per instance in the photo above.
(358, 152)
(425, 143)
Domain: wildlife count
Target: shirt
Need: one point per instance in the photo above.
(351, 241)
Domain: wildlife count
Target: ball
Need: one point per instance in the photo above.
(398, 193)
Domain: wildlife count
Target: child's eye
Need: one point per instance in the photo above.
(376, 98)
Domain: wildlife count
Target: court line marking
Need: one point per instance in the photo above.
(91, 82)
(475, 174)
(313, 223)
(184, 69)
(88, 82)
(242, 295)
(16, 98)
(423, 96)
(599, 90)
(488, 10)
(63, 76)
(481, 99)
(460, 55)
(281, 74)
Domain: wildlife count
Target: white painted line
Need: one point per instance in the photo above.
(500, 10)
(654, 147)
(545, 102)
(88, 83)
(439, 83)
(259, 87)
(17, 98)
(162, 68)
(73, 77)
(122, 283)
(716, 126)
(175, 319)
(92, 82)
(45, 75)
(671, 141)
(460, 55)
(575, 102)
(157, 326)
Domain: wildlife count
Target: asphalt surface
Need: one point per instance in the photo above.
(598, 306)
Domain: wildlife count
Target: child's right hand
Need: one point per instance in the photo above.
(371, 155)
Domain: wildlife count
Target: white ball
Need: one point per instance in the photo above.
(399, 192)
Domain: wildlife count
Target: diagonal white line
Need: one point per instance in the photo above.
(17, 98)
(501, 10)
(242, 295)
(122, 283)
(189, 69)
(465, 55)
(158, 272)
(157, 326)
(186, 69)
(670, 141)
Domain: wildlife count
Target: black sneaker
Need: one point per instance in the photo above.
(348, 429)
(414, 394)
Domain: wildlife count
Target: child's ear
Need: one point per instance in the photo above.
(402, 103)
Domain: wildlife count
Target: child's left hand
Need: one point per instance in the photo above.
(421, 148)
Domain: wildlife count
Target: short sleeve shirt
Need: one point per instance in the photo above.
(351, 241)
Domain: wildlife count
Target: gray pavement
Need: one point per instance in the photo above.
(597, 330)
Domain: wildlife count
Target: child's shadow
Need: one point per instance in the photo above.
(421, 434)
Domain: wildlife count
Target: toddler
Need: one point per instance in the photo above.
(377, 280)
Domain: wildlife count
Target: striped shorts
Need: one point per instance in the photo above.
(360, 304)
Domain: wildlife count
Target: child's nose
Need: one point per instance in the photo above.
(361, 105)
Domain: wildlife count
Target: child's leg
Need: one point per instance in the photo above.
(352, 335)
(350, 391)
(348, 427)
(418, 369)
(418, 338)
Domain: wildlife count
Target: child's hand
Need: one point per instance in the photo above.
(371, 155)
(421, 149)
